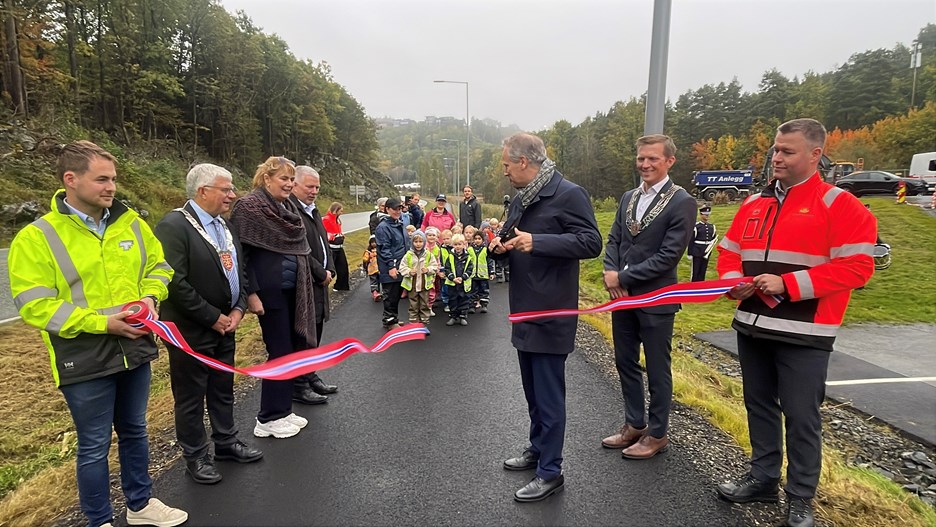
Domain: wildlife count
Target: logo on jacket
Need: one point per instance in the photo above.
(69, 365)
(804, 210)
(126, 244)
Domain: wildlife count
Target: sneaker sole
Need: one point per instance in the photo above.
(261, 433)
(167, 523)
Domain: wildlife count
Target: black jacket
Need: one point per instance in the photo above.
(199, 291)
(318, 242)
(469, 212)
(651, 256)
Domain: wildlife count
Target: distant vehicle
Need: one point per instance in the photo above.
(923, 167)
(868, 182)
(733, 183)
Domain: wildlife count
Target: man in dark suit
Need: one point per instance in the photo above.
(207, 298)
(703, 241)
(549, 228)
(309, 388)
(650, 233)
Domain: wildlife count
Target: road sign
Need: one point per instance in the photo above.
(357, 190)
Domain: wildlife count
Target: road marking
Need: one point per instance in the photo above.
(880, 381)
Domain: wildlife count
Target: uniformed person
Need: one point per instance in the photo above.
(703, 241)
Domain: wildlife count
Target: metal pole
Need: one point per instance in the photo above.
(659, 52)
(468, 139)
(914, 63)
(457, 163)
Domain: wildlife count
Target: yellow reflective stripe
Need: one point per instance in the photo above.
(64, 262)
(852, 249)
(804, 283)
(830, 196)
(135, 226)
(730, 245)
(161, 266)
(34, 293)
(60, 317)
(107, 311)
(788, 326)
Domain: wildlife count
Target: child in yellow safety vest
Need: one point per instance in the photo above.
(418, 268)
(480, 285)
(459, 270)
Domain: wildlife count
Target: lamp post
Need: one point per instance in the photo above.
(468, 129)
(915, 60)
(455, 179)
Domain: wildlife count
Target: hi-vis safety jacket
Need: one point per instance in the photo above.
(482, 264)
(819, 240)
(66, 280)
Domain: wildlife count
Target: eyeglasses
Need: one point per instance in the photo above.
(224, 190)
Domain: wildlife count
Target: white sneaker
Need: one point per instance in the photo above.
(297, 420)
(157, 513)
(280, 429)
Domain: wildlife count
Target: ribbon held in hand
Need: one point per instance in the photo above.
(684, 293)
(282, 368)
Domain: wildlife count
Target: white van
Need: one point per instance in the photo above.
(923, 166)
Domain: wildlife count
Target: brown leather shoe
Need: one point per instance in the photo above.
(625, 438)
(646, 448)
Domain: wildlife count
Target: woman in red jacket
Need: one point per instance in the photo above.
(332, 225)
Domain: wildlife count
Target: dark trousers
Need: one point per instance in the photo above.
(280, 339)
(543, 376)
(458, 301)
(374, 282)
(699, 266)
(391, 303)
(116, 402)
(341, 270)
(480, 291)
(304, 381)
(788, 379)
(194, 384)
(630, 328)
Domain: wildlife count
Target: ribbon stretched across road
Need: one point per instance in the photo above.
(683, 293)
(282, 368)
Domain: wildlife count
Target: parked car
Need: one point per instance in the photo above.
(878, 182)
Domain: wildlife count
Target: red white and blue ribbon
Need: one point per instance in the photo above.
(683, 293)
(282, 368)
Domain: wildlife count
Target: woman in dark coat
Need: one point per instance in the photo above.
(279, 291)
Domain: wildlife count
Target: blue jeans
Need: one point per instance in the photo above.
(118, 400)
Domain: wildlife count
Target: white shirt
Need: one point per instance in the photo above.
(308, 210)
(645, 196)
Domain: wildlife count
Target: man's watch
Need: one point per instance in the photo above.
(153, 298)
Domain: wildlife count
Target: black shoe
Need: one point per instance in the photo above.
(238, 451)
(308, 396)
(390, 322)
(202, 470)
(471, 311)
(319, 387)
(800, 512)
(748, 489)
(484, 308)
(525, 461)
(540, 489)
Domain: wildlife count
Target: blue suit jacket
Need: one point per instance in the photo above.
(562, 222)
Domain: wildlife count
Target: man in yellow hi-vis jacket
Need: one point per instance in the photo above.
(71, 271)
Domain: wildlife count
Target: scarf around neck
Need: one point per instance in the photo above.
(544, 176)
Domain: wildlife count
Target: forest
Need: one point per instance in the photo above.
(865, 103)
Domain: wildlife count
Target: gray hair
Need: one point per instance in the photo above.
(812, 129)
(305, 170)
(203, 175)
(525, 145)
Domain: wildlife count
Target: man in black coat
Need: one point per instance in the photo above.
(416, 211)
(309, 388)
(469, 210)
(703, 241)
(207, 298)
(549, 228)
(650, 233)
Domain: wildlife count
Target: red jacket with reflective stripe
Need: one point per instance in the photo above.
(820, 240)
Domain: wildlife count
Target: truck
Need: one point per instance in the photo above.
(923, 166)
(733, 183)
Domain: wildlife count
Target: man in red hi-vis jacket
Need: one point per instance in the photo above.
(810, 243)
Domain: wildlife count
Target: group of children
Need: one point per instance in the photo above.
(451, 266)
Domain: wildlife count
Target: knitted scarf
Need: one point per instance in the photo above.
(544, 176)
(263, 222)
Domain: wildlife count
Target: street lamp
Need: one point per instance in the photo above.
(468, 128)
(455, 180)
(915, 62)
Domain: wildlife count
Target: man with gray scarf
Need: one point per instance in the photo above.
(550, 226)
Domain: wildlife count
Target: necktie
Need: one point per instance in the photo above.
(232, 273)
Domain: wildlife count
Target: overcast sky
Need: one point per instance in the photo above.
(531, 63)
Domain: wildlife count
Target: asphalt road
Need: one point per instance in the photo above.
(888, 372)
(417, 435)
